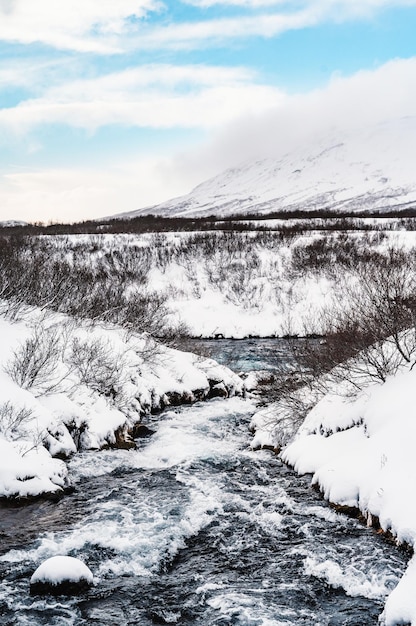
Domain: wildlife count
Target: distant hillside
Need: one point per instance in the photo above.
(12, 223)
(366, 170)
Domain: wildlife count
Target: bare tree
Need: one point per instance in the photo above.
(38, 364)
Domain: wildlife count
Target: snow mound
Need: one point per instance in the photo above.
(61, 575)
(28, 473)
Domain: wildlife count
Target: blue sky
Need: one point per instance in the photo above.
(109, 106)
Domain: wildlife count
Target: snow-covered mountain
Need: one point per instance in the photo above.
(12, 223)
(367, 169)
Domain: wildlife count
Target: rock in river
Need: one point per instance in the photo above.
(61, 575)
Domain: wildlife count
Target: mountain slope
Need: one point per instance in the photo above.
(362, 170)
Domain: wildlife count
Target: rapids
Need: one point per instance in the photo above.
(194, 528)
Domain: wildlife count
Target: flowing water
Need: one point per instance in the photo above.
(243, 355)
(193, 528)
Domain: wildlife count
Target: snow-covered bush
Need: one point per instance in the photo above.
(12, 419)
(94, 362)
(71, 385)
(34, 362)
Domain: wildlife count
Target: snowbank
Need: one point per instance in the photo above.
(360, 452)
(67, 386)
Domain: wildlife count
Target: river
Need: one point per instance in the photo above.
(194, 528)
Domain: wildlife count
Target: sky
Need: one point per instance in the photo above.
(107, 106)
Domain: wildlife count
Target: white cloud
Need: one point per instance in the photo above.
(157, 96)
(72, 194)
(35, 74)
(352, 6)
(210, 108)
(84, 25)
(341, 11)
(116, 84)
(362, 100)
(252, 4)
(213, 31)
(108, 26)
(292, 15)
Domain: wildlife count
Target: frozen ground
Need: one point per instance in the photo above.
(234, 284)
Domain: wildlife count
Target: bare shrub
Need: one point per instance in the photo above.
(145, 312)
(328, 251)
(82, 280)
(370, 330)
(12, 420)
(96, 365)
(144, 346)
(369, 334)
(34, 364)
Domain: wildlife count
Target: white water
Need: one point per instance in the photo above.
(194, 528)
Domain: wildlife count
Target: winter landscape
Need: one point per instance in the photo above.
(207, 313)
(113, 405)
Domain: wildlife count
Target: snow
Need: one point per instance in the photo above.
(263, 302)
(359, 450)
(28, 472)
(401, 605)
(70, 407)
(59, 569)
(360, 453)
(243, 286)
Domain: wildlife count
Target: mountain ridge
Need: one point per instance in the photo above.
(369, 169)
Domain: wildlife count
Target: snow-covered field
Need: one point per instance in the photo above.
(235, 284)
(67, 386)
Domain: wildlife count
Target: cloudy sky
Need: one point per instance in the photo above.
(107, 106)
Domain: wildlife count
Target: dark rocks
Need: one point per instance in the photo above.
(66, 588)
(176, 398)
(218, 391)
(140, 431)
(123, 438)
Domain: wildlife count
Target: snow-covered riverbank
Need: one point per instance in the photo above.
(67, 386)
(360, 453)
